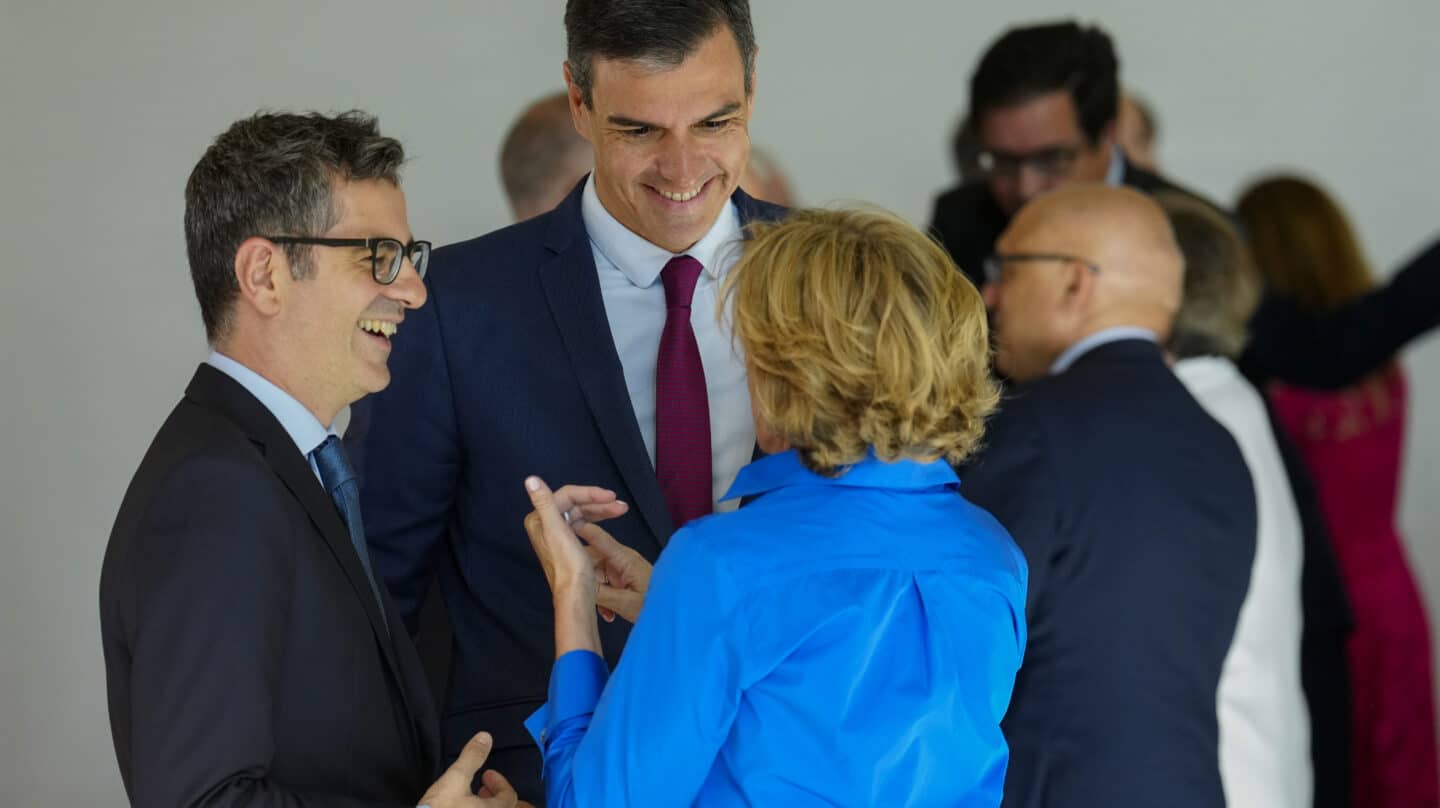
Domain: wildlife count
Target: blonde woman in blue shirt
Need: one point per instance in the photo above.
(850, 636)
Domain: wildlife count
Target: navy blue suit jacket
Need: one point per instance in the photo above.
(509, 370)
(1136, 513)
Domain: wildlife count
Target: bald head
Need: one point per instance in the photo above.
(1098, 257)
(542, 157)
(763, 179)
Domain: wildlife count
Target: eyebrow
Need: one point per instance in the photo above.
(633, 123)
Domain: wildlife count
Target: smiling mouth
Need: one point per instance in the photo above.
(381, 329)
(681, 196)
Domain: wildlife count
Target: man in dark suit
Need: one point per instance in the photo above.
(1044, 102)
(581, 345)
(1134, 508)
(250, 657)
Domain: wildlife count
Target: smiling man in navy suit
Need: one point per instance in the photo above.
(582, 345)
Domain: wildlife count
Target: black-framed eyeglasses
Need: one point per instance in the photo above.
(995, 264)
(1052, 162)
(386, 254)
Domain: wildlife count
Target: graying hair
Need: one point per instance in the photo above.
(1222, 286)
(273, 174)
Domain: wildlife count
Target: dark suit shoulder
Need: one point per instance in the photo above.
(203, 467)
(967, 221)
(493, 257)
(202, 504)
(1152, 183)
(966, 196)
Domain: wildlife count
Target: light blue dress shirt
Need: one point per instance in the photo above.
(1104, 336)
(846, 641)
(629, 269)
(300, 424)
(1115, 171)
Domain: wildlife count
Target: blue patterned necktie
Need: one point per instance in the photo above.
(344, 487)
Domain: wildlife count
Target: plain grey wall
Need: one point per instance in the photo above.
(104, 108)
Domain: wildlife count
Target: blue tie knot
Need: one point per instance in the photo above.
(335, 469)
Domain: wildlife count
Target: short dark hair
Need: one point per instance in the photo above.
(1027, 62)
(660, 32)
(273, 174)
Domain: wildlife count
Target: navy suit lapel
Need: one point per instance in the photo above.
(215, 390)
(572, 288)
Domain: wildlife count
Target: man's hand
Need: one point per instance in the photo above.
(623, 575)
(452, 790)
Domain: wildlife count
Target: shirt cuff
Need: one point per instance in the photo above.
(576, 682)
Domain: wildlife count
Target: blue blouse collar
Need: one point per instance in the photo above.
(785, 469)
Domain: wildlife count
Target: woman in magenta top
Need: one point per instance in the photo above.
(1352, 439)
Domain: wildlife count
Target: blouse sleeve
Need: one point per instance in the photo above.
(649, 736)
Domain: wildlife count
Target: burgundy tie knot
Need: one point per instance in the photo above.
(679, 276)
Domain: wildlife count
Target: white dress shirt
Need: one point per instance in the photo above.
(300, 424)
(1264, 721)
(629, 269)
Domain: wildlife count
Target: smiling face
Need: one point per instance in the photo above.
(339, 320)
(670, 143)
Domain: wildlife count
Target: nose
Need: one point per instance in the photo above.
(680, 161)
(407, 289)
(1032, 182)
(990, 293)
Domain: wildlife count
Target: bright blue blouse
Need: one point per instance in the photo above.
(846, 641)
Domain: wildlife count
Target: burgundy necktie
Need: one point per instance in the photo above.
(682, 408)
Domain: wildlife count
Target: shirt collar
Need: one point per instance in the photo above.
(1115, 173)
(1104, 336)
(638, 259)
(784, 470)
(300, 424)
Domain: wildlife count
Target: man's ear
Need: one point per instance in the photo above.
(579, 113)
(1080, 282)
(259, 265)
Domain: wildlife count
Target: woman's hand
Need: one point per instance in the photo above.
(551, 527)
(568, 568)
(623, 574)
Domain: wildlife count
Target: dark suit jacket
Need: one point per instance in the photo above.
(510, 370)
(246, 660)
(1136, 512)
(1324, 667)
(1326, 349)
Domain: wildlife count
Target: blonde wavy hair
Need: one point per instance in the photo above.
(860, 332)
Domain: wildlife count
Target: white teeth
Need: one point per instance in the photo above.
(380, 327)
(685, 197)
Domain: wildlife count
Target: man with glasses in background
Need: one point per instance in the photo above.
(251, 655)
(1044, 110)
(1044, 102)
